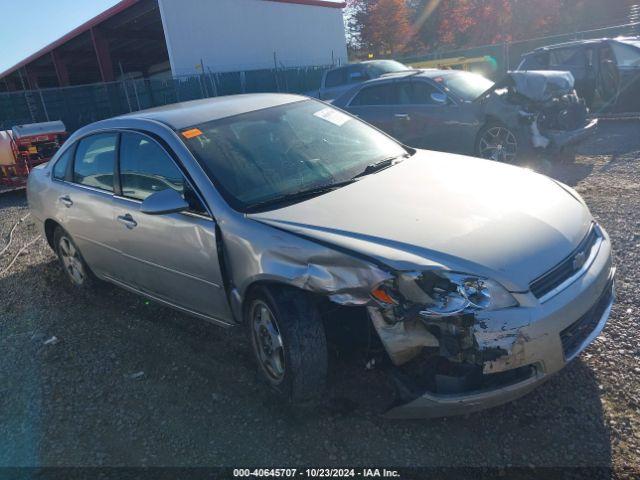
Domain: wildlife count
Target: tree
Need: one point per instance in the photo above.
(382, 27)
(473, 22)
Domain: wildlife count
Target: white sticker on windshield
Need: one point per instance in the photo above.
(333, 116)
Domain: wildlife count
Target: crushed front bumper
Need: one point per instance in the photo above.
(562, 139)
(543, 337)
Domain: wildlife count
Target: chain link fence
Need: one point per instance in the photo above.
(80, 105)
(502, 57)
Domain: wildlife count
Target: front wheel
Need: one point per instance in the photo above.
(288, 341)
(497, 142)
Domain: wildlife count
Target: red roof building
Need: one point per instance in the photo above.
(151, 38)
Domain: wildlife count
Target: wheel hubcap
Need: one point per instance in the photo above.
(267, 341)
(71, 261)
(499, 144)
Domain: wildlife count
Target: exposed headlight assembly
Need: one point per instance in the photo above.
(439, 293)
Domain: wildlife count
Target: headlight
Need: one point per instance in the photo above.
(443, 293)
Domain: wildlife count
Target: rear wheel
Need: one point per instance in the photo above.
(288, 341)
(497, 142)
(74, 266)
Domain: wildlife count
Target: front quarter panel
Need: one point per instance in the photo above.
(255, 252)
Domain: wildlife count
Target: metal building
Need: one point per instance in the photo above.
(163, 38)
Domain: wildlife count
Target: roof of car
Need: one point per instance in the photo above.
(424, 72)
(187, 114)
(576, 43)
(364, 62)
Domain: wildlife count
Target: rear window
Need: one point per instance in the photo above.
(335, 78)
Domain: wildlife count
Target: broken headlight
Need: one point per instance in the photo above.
(443, 293)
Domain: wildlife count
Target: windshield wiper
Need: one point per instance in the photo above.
(297, 196)
(381, 165)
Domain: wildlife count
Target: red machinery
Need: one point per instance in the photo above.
(25, 146)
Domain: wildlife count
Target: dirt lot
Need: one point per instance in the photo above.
(127, 382)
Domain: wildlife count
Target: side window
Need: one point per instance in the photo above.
(145, 168)
(335, 78)
(535, 61)
(375, 95)
(419, 93)
(95, 160)
(567, 57)
(61, 166)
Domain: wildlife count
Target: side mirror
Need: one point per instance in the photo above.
(164, 202)
(439, 98)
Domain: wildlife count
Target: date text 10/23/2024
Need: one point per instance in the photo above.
(316, 473)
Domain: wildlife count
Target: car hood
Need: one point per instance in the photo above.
(443, 210)
(536, 85)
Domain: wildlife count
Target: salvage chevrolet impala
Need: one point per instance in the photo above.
(276, 212)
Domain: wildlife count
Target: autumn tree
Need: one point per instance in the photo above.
(381, 27)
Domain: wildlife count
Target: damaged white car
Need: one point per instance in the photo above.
(288, 216)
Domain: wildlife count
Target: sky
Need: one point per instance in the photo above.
(29, 25)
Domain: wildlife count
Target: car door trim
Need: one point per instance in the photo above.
(120, 252)
(162, 267)
(163, 301)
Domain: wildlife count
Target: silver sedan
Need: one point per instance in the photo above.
(288, 216)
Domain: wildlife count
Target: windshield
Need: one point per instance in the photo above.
(263, 156)
(467, 86)
(382, 67)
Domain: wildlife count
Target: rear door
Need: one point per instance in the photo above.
(87, 200)
(171, 257)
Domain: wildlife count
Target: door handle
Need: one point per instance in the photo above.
(402, 116)
(66, 201)
(128, 221)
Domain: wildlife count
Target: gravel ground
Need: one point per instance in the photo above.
(111, 379)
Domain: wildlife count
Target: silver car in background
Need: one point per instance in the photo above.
(340, 80)
(288, 216)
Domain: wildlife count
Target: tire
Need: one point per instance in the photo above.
(75, 268)
(497, 142)
(288, 342)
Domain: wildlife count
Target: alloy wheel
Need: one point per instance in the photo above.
(499, 144)
(267, 341)
(72, 261)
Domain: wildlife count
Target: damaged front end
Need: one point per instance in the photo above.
(433, 326)
(543, 106)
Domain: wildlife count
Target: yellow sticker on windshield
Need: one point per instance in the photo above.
(192, 133)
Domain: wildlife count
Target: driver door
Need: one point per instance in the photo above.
(171, 257)
(608, 79)
(426, 117)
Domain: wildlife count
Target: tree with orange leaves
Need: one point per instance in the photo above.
(382, 27)
(473, 22)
